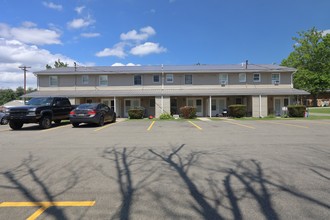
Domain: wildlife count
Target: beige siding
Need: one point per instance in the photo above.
(256, 101)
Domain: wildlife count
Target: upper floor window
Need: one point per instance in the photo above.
(188, 79)
(85, 79)
(53, 80)
(169, 78)
(137, 80)
(156, 78)
(223, 78)
(275, 78)
(103, 80)
(256, 77)
(242, 77)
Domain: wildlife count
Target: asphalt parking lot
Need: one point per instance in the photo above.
(144, 169)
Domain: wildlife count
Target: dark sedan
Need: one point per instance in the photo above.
(92, 113)
(3, 118)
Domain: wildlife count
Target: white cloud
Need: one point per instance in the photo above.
(52, 5)
(80, 23)
(80, 9)
(90, 35)
(29, 34)
(144, 34)
(129, 64)
(29, 24)
(14, 53)
(147, 48)
(117, 51)
(325, 32)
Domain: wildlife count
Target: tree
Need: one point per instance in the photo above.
(311, 57)
(6, 95)
(57, 64)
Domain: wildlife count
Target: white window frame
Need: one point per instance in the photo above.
(153, 78)
(53, 81)
(223, 78)
(102, 82)
(85, 79)
(276, 81)
(259, 77)
(242, 77)
(185, 79)
(169, 78)
(137, 75)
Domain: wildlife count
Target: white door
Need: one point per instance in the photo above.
(130, 103)
(279, 103)
(197, 103)
(218, 105)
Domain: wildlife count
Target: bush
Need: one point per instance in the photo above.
(165, 116)
(188, 112)
(136, 113)
(296, 110)
(237, 111)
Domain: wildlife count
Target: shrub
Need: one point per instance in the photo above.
(165, 116)
(296, 110)
(136, 113)
(188, 112)
(237, 111)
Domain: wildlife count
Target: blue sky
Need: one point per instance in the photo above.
(150, 32)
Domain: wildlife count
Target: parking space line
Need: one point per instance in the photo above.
(45, 205)
(234, 123)
(57, 127)
(150, 126)
(286, 124)
(106, 126)
(195, 125)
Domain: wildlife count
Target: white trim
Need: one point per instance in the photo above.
(100, 80)
(82, 79)
(51, 80)
(169, 74)
(239, 77)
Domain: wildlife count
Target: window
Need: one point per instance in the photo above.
(187, 79)
(275, 78)
(137, 80)
(53, 81)
(238, 101)
(169, 78)
(223, 79)
(152, 103)
(85, 79)
(103, 80)
(256, 77)
(156, 78)
(242, 77)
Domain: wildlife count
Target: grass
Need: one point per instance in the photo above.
(323, 110)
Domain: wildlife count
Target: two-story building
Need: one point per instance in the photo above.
(264, 89)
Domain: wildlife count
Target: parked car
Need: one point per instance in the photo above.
(92, 113)
(3, 118)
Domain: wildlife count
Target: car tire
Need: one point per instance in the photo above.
(75, 125)
(114, 118)
(45, 122)
(101, 121)
(4, 121)
(15, 125)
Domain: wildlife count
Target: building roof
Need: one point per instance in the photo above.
(231, 68)
(169, 92)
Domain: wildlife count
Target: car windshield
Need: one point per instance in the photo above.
(40, 101)
(86, 106)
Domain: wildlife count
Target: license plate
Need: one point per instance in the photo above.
(81, 115)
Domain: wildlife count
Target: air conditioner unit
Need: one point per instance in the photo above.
(223, 82)
(276, 82)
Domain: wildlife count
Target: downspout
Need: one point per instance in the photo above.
(210, 106)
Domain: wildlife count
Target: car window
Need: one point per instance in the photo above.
(86, 106)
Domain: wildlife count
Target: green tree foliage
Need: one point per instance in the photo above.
(311, 57)
(7, 95)
(57, 64)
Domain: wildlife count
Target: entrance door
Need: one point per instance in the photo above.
(218, 105)
(279, 103)
(197, 103)
(129, 104)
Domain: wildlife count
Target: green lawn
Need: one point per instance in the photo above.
(324, 110)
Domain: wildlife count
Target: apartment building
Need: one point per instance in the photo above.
(264, 89)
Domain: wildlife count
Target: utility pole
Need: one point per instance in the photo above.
(24, 68)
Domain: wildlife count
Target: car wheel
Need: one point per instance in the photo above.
(4, 121)
(101, 122)
(15, 125)
(75, 125)
(114, 118)
(45, 122)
